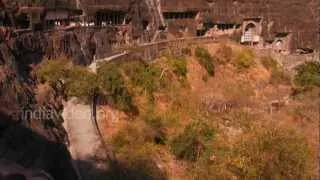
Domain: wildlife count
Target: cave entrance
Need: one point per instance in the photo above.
(109, 18)
(145, 25)
(226, 26)
(278, 45)
(249, 32)
(23, 21)
(180, 15)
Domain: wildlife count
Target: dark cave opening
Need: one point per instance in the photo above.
(109, 18)
(180, 15)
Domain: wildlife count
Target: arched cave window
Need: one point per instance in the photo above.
(250, 32)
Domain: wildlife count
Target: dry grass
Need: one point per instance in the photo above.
(250, 92)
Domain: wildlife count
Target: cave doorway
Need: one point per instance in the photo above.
(23, 21)
(109, 18)
(278, 45)
(249, 32)
(145, 25)
(226, 26)
(180, 15)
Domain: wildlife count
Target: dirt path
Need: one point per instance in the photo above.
(86, 146)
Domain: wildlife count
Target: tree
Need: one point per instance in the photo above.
(113, 86)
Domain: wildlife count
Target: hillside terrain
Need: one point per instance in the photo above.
(210, 109)
(218, 111)
(244, 118)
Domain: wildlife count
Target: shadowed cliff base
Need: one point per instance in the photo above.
(33, 152)
(142, 169)
(30, 154)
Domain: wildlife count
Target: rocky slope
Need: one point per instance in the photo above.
(36, 142)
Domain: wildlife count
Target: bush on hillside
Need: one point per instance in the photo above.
(157, 124)
(179, 66)
(192, 142)
(277, 74)
(205, 60)
(81, 83)
(244, 59)
(308, 75)
(53, 71)
(145, 76)
(70, 79)
(271, 153)
(113, 86)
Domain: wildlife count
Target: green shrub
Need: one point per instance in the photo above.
(81, 83)
(192, 142)
(205, 60)
(154, 121)
(146, 76)
(308, 75)
(271, 153)
(70, 79)
(179, 66)
(53, 71)
(157, 124)
(112, 84)
(244, 59)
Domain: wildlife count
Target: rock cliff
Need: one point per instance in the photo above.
(32, 142)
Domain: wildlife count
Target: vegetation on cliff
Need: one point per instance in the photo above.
(77, 81)
(193, 136)
(308, 75)
(205, 60)
(226, 127)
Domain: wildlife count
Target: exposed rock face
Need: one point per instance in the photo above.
(299, 17)
(296, 16)
(137, 12)
(10, 170)
(35, 143)
(25, 148)
(40, 143)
